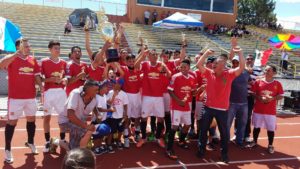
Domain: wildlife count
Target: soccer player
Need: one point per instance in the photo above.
(22, 71)
(181, 90)
(75, 70)
(266, 91)
(152, 93)
(219, 80)
(53, 71)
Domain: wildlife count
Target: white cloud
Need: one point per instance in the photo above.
(291, 22)
(289, 1)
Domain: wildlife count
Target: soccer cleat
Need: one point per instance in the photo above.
(137, 138)
(8, 157)
(120, 145)
(100, 150)
(140, 143)
(271, 149)
(252, 145)
(126, 143)
(64, 144)
(248, 140)
(171, 155)
(32, 147)
(183, 145)
(110, 149)
(161, 142)
(225, 159)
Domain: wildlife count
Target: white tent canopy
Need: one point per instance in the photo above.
(178, 20)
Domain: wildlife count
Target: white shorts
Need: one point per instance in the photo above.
(54, 101)
(264, 121)
(135, 105)
(199, 110)
(153, 106)
(180, 117)
(16, 107)
(167, 102)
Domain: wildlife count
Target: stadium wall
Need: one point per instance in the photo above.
(136, 11)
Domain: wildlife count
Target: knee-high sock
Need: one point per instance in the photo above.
(171, 137)
(256, 132)
(168, 122)
(30, 126)
(160, 127)
(271, 137)
(143, 129)
(9, 132)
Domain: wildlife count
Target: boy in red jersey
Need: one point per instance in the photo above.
(152, 93)
(218, 88)
(22, 71)
(53, 71)
(181, 91)
(75, 70)
(266, 91)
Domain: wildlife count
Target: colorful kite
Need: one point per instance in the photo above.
(285, 41)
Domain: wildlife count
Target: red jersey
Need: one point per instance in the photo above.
(266, 89)
(73, 69)
(95, 74)
(218, 89)
(132, 80)
(182, 86)
(171, 64)
(50, 68)
(200, 81)
(152, 80)
(21, 78)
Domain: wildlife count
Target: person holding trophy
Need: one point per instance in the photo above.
(22, 70)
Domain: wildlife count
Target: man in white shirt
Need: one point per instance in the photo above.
(147, 16)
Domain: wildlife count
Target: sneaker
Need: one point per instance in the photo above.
(151, 137)
(252, 145)
(137, 138)
(100, 150)
(126, 143)
(120, 145)
(161, 143)
(233, 139)
(248, 140)
(140, 143)
(183, 145)
(8, 157)
(110, 149)
(225, 159)
(271, 149)
(211, 147)
(64, 144)
(171, 155)
(47, 147)
(32, 147)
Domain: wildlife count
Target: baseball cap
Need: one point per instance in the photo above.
(236, 58)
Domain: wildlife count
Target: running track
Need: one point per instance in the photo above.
(287, 152)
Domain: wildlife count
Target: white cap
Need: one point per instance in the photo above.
(236, 57)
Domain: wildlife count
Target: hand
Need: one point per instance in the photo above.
(181, 103)
(91, 127)
(112, 109)
(210, 51)
(81, 75)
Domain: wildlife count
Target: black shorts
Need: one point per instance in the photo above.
(116, 125)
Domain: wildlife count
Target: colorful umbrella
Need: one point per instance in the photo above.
(285, 41)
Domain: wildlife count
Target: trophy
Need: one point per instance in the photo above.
(106, 29)
(87, 24)
(183, 39)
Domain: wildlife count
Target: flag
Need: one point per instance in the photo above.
(9, 33)
(262, 57)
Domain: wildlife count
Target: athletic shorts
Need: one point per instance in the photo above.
(264, 121)
(180, 117)
(115, 125)
(54, 101)
(153, 106)
(167, 102)
(135, 105)
(16, 107)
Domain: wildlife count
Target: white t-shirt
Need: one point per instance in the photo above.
(75, 102)
(147, 14)
(284, 56)
(120, 100)
(102, 103)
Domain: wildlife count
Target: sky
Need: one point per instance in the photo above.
(288, 12)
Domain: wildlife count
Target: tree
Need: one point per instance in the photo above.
(256, 11)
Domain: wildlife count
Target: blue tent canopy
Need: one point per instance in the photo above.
(178, 20)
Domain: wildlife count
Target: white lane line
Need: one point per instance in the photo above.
(21, 147)
(218, 163)
(279, 137)
(38, 129)
(288, 124)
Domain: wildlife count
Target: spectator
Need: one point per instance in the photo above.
(284, 60)
(68, 28)
(154, 16)
(168, 14)
(163, 15)
(79, 158)
(147, 16)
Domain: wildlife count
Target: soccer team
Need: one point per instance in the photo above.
(120, 95)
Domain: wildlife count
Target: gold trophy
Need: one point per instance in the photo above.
(106, 29)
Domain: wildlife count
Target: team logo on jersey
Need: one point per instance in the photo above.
(56, 74)
(132, 78)
(266, 93)
(224, 80)
(26, 69)
(186, 88)
(153, 75)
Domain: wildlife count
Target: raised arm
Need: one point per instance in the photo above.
(201, 61)
(141, 57)
(241, 66)
(233, 45)
(99, 58)
(87, 44)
